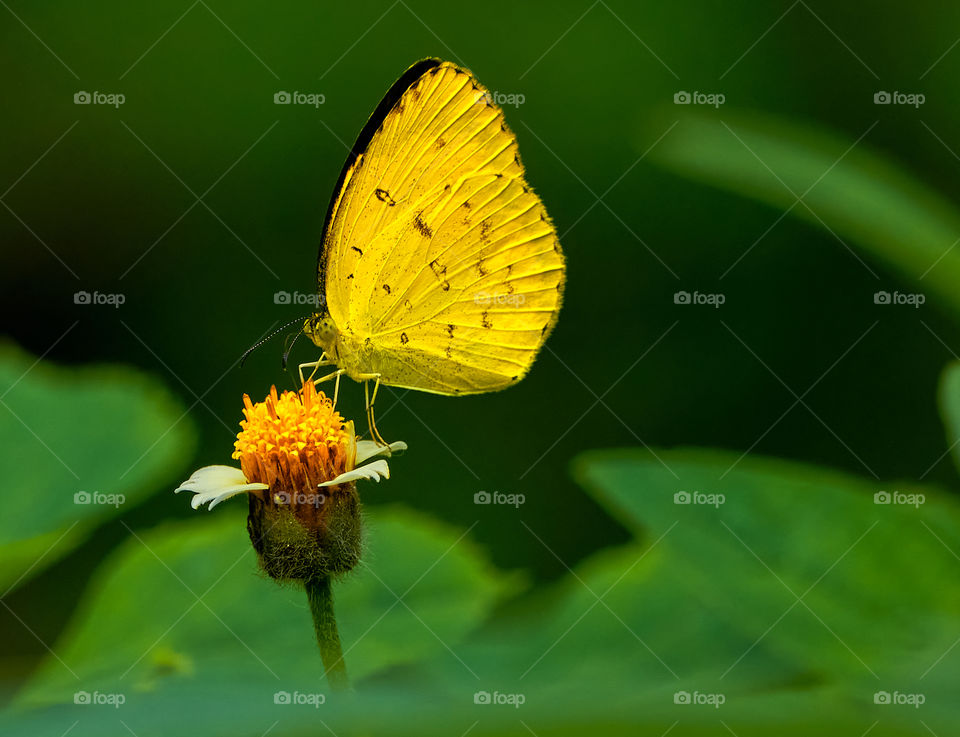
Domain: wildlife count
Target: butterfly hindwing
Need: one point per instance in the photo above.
(441, 264)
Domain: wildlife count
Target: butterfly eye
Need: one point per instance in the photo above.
(321, 330)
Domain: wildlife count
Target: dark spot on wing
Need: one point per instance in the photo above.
(384, 196)
(446, 187)
(357, 250)
(422, 227)
(485, 227)
(450, 330)
(498, 176)
(440, 143)
(466, 204)
(449, 353)
(408, 304)
(386, 288)
(404, 339)
(350, 276)
(440, 271)
(485, 320)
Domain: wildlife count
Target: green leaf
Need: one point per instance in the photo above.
(855, 593)
(180, 621)
(949, 400)
(854, 191)
(84, 443)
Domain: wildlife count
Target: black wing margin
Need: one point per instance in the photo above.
(406, 80)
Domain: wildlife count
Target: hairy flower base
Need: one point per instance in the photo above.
(302, 541)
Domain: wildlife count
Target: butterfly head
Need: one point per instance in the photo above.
(320, 328)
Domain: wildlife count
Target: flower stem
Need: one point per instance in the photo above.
(320, 596)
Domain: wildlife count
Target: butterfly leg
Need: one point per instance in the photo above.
(336, 387)
(371, 422)
(322, 361)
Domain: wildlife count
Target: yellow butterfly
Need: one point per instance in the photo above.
(439, 268)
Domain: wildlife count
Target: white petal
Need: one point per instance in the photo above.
(213, 477)
(215, 497)
(367, 449)
(216, 483)
(374, 471)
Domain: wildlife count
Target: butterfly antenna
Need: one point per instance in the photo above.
(276, 332)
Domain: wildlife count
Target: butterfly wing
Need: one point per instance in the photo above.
(440, 266)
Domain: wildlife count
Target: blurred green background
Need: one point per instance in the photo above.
(199, 199)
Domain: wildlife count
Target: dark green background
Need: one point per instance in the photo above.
(203, 95)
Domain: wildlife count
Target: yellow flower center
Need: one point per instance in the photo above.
(294, 441)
